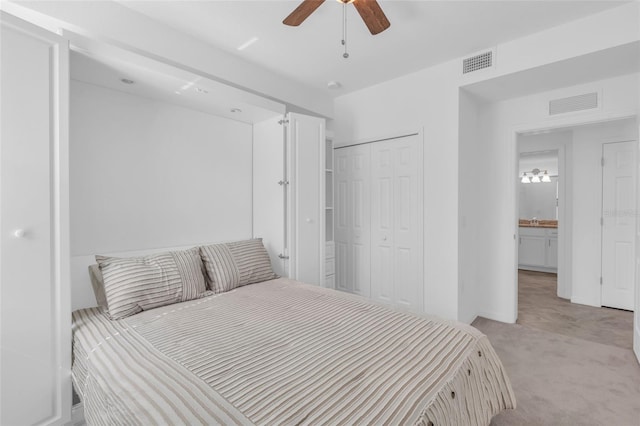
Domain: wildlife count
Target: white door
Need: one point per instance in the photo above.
(306, 165)
(35, 317)
(353, 233)
(269, 175)
(618, 224)
(396, 222)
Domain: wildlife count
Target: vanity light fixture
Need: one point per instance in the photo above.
(536, 176)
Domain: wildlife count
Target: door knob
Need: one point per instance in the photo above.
(19, 233)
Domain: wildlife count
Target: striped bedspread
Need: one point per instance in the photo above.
(282, 352)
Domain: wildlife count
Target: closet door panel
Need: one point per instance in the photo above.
(360, 238)
(343, 222)
(382, 222)
(407, 232)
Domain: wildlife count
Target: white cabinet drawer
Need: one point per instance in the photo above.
(330, 267)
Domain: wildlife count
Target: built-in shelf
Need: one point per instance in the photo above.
(329, 216)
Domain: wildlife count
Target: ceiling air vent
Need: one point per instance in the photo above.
(477, 62)
(573, 103)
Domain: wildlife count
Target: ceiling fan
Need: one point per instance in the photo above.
(369, 10)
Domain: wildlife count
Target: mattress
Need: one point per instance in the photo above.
(284, 352)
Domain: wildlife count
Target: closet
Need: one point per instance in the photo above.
(289, 194)
(35, 313)
(379, 220)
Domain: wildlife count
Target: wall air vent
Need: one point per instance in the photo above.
(573, 103)
(477, 62)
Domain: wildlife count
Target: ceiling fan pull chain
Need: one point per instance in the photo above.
(344, 30)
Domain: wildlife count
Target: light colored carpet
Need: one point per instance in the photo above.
(540, 308)
(561, 380)
(567, 365)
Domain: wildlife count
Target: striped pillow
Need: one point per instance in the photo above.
(138, 284)
(235, 264)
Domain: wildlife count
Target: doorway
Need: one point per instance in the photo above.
(595, 233)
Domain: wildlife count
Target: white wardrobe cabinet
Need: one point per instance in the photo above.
(289, 194)
(379, 221)
(35, 317)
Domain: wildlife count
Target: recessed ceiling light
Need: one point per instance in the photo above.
(201, 90)
(235, 110)
(333, 85)
(177, 92)
(127, 81)
(247, 43)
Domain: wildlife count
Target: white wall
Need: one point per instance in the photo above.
(147, 175)
(428, 100)
(472, 175)
(500, 122)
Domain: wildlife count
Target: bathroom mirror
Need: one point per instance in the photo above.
(538, 183)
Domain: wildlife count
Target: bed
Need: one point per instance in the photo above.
(284, 352)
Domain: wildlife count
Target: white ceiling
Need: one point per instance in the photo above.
(422, 33)
(103, 65)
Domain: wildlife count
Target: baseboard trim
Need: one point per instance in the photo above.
(538, 269)
(495, 316)
(469, 319)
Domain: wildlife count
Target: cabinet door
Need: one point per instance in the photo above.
(35, 312)
(268, 193)
(532, 251)
(552, 253)
(306, 165)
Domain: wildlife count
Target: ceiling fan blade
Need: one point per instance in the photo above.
(372, 15)
(302, 12)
